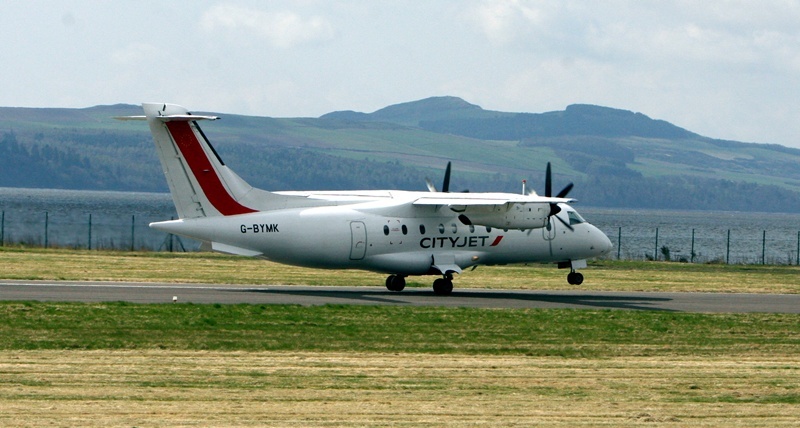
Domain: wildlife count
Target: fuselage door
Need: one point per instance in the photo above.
(358, 243)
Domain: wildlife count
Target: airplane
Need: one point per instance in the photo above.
(394, 232)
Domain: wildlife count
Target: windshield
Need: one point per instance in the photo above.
(575, 218)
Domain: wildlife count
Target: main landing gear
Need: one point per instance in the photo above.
(441, 287)
(396, 282)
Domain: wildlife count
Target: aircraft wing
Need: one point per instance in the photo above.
(485, 199)
(502, 210)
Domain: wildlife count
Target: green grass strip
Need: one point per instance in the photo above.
(562, 332)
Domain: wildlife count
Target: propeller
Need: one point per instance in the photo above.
(445, 183)
(548, 192)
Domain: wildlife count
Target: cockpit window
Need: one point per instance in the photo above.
(575, 218)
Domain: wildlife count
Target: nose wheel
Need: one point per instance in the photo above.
(575, 278)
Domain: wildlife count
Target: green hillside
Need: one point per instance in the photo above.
(616, 158)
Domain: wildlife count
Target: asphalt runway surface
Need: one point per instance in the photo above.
(84, 291)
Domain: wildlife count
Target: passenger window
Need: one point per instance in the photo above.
(441, 228)
(454, 227)
(386, 230)
(405, 230)
(472, 228)
(422, 229)
(488, 229)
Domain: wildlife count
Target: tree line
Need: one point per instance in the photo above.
(126, 161)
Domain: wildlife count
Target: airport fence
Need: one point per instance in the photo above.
(726, 246)
(93, 232)
(132, 233)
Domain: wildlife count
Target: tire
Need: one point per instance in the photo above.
(442, 287)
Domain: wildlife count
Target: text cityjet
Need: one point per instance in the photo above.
(259, 228)
(459, 242)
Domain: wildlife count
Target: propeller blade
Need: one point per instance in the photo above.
(565, 223)
(564, 191)
(431, 186)
(548, 183)
(446, 184)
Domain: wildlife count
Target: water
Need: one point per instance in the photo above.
(119, 221)
(754, 237)
(61, 218)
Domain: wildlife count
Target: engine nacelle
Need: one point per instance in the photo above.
(515, 216)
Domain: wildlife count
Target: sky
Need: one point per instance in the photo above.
(723, 69)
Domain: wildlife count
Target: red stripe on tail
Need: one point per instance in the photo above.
(203, 171)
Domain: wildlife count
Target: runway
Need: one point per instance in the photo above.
(72, 291)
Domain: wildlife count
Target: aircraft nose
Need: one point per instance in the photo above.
(601, 242)
(606, 246)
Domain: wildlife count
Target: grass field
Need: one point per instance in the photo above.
(120, 364)
(59, 264)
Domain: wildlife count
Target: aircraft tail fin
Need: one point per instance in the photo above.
(200, 183)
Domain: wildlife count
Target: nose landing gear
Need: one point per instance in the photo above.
(575, 278)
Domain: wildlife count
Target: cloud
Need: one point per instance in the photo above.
(507, 20)
(284, 29)
(137, 53)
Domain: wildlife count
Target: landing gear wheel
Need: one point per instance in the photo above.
(575, 278)
(443, 287)
(395, 283)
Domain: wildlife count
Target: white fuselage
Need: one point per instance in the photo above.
(407, 242)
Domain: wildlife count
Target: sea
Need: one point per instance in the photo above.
(119, 220)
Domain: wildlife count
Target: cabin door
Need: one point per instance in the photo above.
(358, 240)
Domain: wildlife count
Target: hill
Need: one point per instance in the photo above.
(617, 158)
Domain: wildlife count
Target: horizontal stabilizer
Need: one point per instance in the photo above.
(184, 117)
(170, 117)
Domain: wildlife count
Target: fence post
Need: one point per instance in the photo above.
(692, 253)
(728, 251)
(655, 253)
(3, 230)
(90, 232)
(46, 225)
(797, 253)
(133, 235)
(763, 248)
(170, 236)
(619, 240)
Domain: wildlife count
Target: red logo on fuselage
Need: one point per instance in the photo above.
(458, 242)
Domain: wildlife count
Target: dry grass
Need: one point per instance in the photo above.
(219, 269)
(757, 386)
(173, 388)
